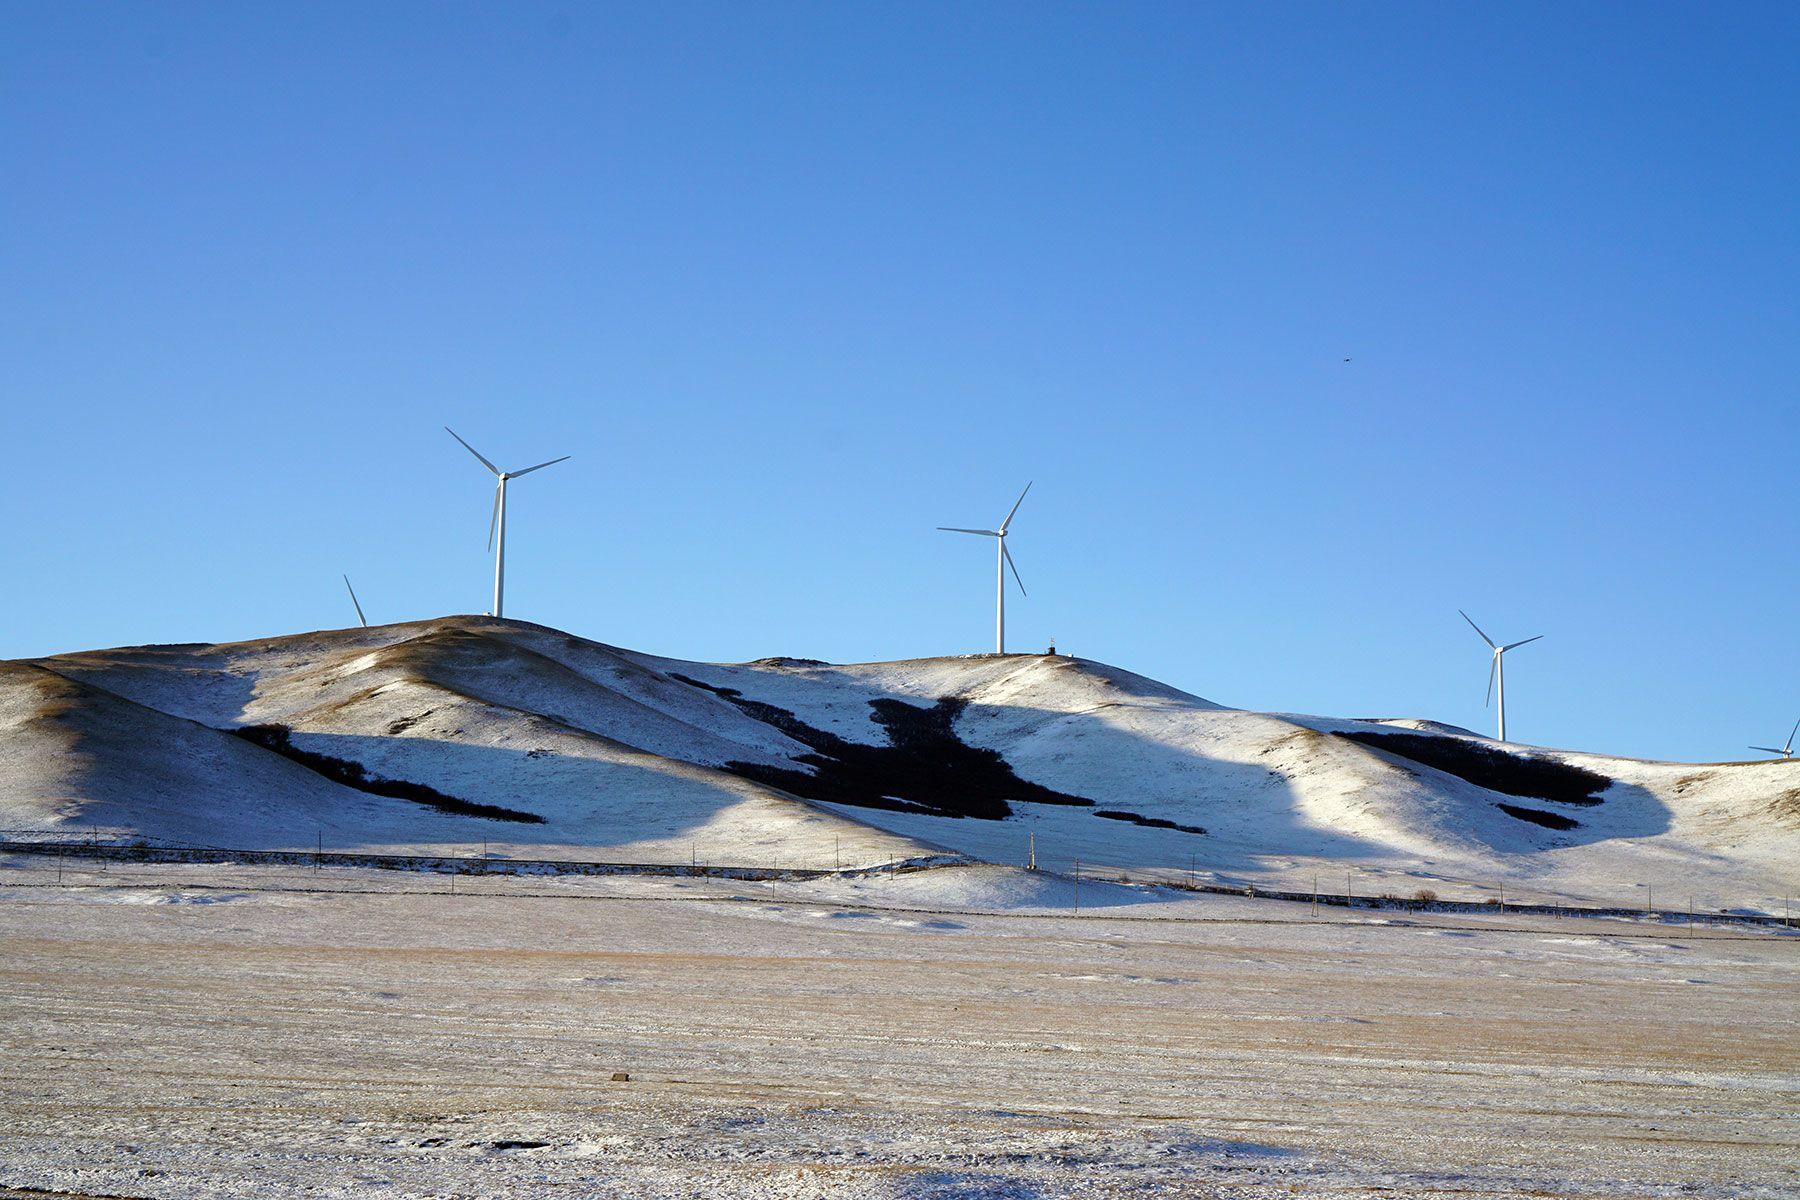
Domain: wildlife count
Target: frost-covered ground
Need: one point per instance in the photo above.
(204, 1032)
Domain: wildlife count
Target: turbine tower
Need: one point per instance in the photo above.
(497, 522)
(355, 601)
(1002, 560)
(1497, 669)
(1787, 751)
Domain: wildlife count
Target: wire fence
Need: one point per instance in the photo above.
(1499, 900)
(842, 853)
(1374, 888)
(126, 847)
(1363, 887)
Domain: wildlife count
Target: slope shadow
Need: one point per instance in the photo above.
(168, 679)
(550, 796)
(915, 767)
(1492, 768)
(570, 799)
(1605, 809)
(927, 763)
(351, 774)
(927, 770)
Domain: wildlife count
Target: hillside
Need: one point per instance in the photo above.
(439, 736)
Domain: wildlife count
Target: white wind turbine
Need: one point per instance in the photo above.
(1002, 560)
(1497, 669)
(355, 601)
(497, 523)
(1787, 751)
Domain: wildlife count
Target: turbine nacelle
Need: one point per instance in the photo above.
(1787, 749)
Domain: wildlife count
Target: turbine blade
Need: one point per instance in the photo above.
(355, 601)
(1516, 645)
(1015, 508)
(493, 520)
(1477, 629)
(472, 450)
(1768, 750)
(1493, 665)
(1015, 569)
(1790, 741)
(541, 466)
(980, 532)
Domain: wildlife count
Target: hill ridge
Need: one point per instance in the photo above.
(624, 752)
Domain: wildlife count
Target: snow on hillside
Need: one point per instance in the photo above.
(139, 740)
(554, 746)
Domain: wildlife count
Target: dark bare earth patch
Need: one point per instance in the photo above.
(1113, 814)
(1786, 807)
(924, 767)
(1538, 816)
(396, 728)
(1495, 770)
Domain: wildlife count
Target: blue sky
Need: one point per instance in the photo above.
(796, 284)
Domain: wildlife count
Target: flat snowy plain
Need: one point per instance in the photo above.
(193, 1032)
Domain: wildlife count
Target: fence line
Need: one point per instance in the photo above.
(1397, 903)
(454, 865)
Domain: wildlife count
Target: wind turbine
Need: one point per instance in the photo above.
(497, 523)
(1002, 560)
(1497, 670)
(355, 601)
(1786, 751)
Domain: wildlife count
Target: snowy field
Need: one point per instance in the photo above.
(217, 1031)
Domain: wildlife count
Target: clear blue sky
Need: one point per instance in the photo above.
(796, 284)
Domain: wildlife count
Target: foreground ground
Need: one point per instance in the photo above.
(218, 1031)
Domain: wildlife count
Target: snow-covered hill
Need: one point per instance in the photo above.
(435, 736)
